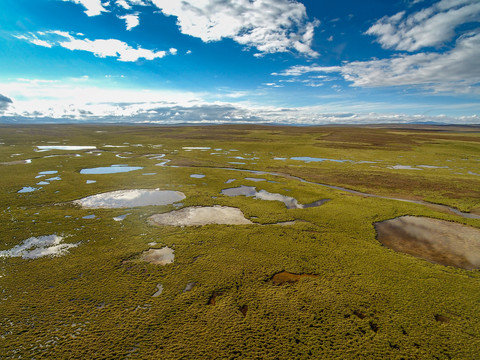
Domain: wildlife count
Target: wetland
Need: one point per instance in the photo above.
(379, 257)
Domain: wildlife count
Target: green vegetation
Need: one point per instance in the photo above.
(363, 302)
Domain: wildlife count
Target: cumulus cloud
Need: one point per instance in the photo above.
(99, 47)
(453, 71)
(95, 100)
(73, 102)
(131, 20)
(430, 27)
(270, 26)
(93, 7)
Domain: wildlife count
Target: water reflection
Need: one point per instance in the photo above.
(290, 202)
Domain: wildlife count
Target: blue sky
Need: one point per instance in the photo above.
(258, 61)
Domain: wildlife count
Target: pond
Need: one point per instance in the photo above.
(290, 202)
(130, 198)
(35, 247)
(113, 169)
(161, 256)
(196, 216)
(442, 242)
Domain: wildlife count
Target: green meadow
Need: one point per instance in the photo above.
(365, 301)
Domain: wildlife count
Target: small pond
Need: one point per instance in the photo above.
(113, 169)
(161, 256)
(35, 247)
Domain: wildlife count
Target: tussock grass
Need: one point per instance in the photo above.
(366, 301)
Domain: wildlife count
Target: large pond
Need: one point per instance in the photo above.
(438, 241)
(130, 198)
(290, 202)
(196, 216)
(113, 169)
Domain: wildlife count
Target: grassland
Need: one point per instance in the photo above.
(363, 301)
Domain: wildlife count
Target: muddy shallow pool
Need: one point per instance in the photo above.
(441, 242)
(196, 215)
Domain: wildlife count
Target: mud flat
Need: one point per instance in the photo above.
(441, 242)
(197, 215)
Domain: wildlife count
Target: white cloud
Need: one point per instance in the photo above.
(123, 4)
(173, 51)
(131, 20)
(71, 101)
(455, 71)
(93, 7)
(34, 40)
(271, 26)
(298, 70)
(41, 43)
(99, 47)
(429, 27)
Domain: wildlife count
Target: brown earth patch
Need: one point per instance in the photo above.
(441, 242)
(441, 318)
(243, 309)
(213, 298)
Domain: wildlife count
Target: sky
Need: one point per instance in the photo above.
(310, 62)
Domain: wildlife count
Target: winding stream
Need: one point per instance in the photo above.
(437, 207)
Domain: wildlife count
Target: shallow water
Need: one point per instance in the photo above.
(189, 286)
(403, 167)
(27, 189)
(43, 183)
(437, 207)
(197, 216)
(91, 181)
(308, 159)
(442, 242)
(35, 247)
(64, 147)
(197, 176)
(89, 217)
(290, 202)
(159, 290)
(113, 169)
(130, 198)
(49, 172)
(255, 179)
(121, 217)
(161, 256)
